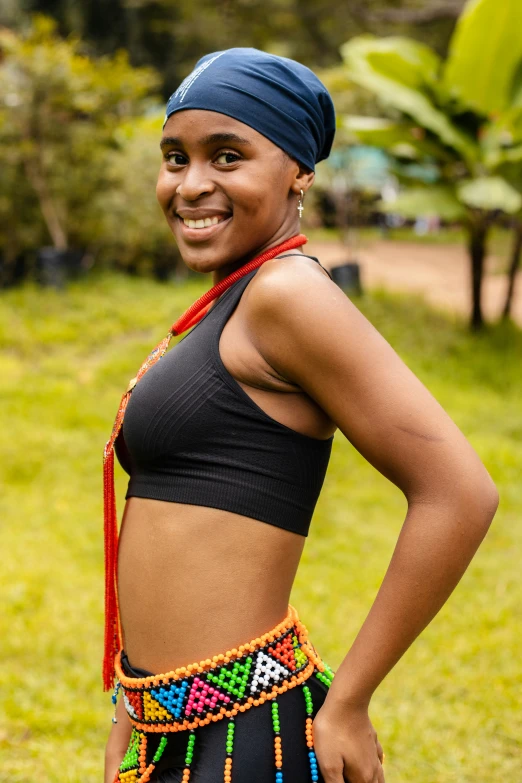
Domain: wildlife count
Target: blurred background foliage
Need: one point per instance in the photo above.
(438, 89)
(429, 101)
(70, 78)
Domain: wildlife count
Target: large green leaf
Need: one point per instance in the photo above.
(490, 193)
(401, 73)
(378, 132)
(485, 51)
(417, 202)
(396, 137)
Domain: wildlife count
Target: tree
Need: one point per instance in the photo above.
(172, 34)
(132, 227)
(464, 114)
(58, 114)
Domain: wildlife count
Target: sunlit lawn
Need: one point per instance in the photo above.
(450, 711)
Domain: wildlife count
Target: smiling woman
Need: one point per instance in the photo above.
(240, 173)
(227, 438)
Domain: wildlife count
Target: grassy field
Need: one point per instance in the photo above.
(449, 712)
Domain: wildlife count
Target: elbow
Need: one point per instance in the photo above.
(490, 499)
(472, 496)
(481, 501)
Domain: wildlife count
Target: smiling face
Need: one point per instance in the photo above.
(228, 193)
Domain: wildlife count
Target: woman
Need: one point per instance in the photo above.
(227, 440)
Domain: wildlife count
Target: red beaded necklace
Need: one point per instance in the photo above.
(191, 316)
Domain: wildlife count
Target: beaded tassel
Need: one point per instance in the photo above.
(314, 771)
(113, 636)
(277, 742)
(114, 699)
(325, 676)
(189, 756)
(230, 749)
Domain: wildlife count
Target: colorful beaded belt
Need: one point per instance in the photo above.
(217, 688)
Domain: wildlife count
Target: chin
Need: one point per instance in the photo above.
(203, 260)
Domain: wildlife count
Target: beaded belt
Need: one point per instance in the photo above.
(216, 688)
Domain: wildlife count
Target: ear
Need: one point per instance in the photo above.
(303, 180)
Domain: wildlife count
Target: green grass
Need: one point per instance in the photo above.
(449, 712)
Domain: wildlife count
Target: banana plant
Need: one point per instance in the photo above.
(464, 114)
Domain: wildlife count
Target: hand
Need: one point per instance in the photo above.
(346, 745)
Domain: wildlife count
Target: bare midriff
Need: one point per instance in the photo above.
(195, 581)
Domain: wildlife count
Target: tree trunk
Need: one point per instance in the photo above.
(38, 182)
(478, 233)
(513, 268)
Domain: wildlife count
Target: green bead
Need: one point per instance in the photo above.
(161, 748)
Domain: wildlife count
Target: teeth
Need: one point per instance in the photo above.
(213, 221)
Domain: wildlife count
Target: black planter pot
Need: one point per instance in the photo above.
(54, 267)
(348, 277)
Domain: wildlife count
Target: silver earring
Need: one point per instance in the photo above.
(300, 207)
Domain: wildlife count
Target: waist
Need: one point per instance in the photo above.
(192, 577)
(224, 684)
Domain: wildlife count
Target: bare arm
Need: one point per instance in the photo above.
(117, 743)
(311, 334)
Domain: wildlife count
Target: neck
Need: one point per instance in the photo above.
(223, 272)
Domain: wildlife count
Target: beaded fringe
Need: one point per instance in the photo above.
(277, 742)
(113, 638)
(227, 777)
(134, 768)
(189, 756)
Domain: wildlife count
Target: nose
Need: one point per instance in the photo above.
(195, 182)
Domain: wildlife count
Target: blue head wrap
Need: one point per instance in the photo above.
(280, 98)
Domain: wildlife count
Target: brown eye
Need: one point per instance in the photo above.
(229, 157)
(175, 158)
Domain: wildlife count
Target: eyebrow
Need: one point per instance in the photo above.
(213, 138)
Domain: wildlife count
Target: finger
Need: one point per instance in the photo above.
(380, 751)
(332, 773)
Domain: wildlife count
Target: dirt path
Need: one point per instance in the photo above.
(439, 272)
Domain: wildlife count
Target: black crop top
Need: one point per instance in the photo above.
(191, 434)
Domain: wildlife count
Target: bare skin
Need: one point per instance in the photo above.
(309, 359)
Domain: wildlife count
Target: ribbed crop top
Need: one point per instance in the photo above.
(191, 434)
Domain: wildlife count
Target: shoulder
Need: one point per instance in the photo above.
(295, 299)
(288, 287)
